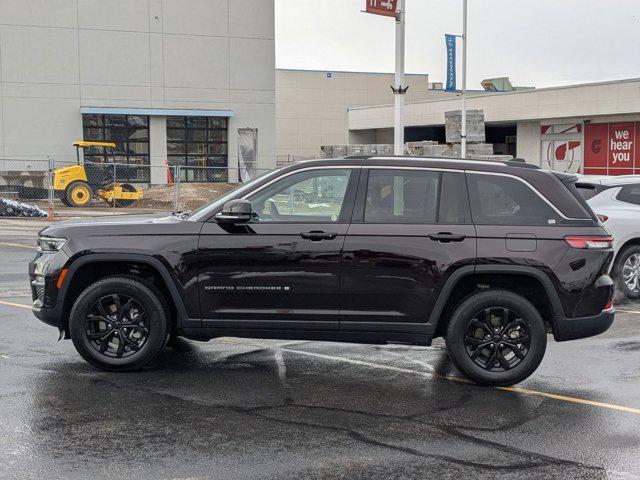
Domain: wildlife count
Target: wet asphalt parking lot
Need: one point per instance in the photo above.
(238, 409)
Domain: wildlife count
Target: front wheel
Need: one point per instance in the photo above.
(119, 323)
(627, 271)
(496, 337)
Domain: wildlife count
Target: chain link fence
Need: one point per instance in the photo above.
(48, 187)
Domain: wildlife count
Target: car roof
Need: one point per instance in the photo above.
(610, 181)
(436, 162)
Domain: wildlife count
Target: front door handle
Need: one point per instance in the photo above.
(446, 237)
(317, 236)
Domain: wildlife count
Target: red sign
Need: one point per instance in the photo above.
(612, 149)
(596, 138)
(382, 7)
(622, 141)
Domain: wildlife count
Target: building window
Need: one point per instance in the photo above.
(199, 144)
(130, 133)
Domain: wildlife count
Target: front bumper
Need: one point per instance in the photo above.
(582, 327)
(44, 271)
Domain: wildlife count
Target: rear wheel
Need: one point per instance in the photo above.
(79, 194)
(496, 338)
(627, 271)
(119, 323)
(126, 187)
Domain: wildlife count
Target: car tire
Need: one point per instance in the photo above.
(119, 339)
(482, 339)
(629, 257)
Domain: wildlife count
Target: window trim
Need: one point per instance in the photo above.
(348, 201)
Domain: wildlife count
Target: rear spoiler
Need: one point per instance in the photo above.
(572, 181)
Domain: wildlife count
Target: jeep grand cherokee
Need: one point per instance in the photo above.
(491, 256)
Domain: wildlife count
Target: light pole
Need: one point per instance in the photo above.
(399, 90)
(463, 132)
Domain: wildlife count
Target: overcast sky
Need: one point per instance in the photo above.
(534, 42)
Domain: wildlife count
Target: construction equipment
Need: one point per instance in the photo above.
(78, 185)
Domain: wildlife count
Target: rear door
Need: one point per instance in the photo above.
(410, 230)
(515, 224)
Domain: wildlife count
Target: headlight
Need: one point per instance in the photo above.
(50, 244)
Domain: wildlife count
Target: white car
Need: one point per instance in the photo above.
(617, 201)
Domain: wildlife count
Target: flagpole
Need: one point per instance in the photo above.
(463, 133)
(399, 90)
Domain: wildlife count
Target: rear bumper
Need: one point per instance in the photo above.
(582, 327)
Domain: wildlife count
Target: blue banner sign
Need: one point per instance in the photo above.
(450, 40)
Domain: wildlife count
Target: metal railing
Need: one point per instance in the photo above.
(49, 188)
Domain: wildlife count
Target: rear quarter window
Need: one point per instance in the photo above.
(501, 200)
(629, 194)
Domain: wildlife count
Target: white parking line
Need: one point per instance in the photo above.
(627, 311)
(30, 247)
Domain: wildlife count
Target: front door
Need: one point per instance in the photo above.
(411, 229)
(282, 269)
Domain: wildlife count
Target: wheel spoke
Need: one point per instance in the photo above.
(99, 318)
(479, 349)
(135, 326)
(474, 340)
(503, 361)
(484, 326)
(130, 342)
(120, 350)
(514, 348)
(492, 359)
(118, 305)
(101, 309)
(100, 336)
(505, 320)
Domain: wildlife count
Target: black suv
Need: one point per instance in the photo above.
(491, 256)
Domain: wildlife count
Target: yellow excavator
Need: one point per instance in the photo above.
(78, 185)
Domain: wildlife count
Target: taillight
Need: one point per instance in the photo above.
(603, 218)
(590, 243)
(608, 306)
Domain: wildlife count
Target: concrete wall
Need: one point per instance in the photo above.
(528, 146)
(311, 106)
(582, 101)
(58, 56)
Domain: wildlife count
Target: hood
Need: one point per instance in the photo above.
(103, 224)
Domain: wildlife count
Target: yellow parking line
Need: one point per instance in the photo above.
(30, 247)
(11, 304)
(522, 391)
(627, 311)
(564, 398)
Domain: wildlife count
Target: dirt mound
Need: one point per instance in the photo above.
(192, 195)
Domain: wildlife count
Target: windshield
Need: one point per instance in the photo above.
(203, 212)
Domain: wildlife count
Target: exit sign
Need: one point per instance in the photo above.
(382, 7)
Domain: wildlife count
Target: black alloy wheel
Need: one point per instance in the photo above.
(497, 339)
(120, 323)
(117, 326)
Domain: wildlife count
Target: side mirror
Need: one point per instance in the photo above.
(235, 211)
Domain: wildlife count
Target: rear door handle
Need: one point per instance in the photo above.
(317, 236)
(446, 237)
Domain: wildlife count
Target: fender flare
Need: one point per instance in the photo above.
(153, 262)
(452, 281)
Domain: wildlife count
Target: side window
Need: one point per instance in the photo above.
(497, 200)
(629, 194)
(309, 196)
(414, 196)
